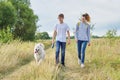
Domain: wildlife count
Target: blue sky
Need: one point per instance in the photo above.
(105, 13)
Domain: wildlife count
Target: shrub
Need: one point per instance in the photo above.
(43, 35)
(6, 35)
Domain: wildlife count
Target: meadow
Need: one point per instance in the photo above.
(102, 62)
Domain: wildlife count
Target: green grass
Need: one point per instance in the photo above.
(102, 62)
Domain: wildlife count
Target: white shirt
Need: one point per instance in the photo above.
(61, 30)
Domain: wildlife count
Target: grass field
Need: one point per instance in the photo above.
(102, 62)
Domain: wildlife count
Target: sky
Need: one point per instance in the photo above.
(105, 14)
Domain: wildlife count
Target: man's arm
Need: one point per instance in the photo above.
(68, 33)
(54, 36)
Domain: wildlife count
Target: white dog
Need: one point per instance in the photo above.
(39, 53)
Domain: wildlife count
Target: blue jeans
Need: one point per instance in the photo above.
(61, 45)
(81, 45)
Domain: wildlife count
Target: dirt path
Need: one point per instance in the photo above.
(72, 71)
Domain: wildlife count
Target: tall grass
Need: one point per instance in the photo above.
(102, 62)
(14, 55)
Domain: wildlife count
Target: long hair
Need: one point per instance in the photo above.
(87, 17)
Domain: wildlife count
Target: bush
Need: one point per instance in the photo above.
(111, 33)
(43, 35)
(6, 35)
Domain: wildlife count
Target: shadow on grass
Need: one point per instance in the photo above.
(115, 65)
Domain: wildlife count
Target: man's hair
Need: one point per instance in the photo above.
(61, 15)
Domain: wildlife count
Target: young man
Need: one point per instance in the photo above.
(60, 34)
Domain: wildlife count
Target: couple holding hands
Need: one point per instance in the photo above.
(82, 38)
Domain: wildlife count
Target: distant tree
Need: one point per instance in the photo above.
(72, 37)
(37, 36)
(111, 33)
(7, 15)
(43, 35)
(95, 36)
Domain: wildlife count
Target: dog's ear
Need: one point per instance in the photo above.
(42, 45)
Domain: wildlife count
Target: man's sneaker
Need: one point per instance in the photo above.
(82, 65)
(79, 61)
(63, 64)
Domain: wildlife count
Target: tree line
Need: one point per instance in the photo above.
(17, 19)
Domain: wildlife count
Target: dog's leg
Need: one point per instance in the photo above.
(36, 61)
(39, 61)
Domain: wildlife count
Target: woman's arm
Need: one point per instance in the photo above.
(88, 33)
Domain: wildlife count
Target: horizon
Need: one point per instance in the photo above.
(104, 14)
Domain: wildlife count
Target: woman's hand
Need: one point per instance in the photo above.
(89, 44)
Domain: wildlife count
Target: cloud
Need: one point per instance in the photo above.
(103, 13)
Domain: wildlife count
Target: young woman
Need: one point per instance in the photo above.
(82, 37)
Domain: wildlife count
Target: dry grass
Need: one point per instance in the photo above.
(102, 62)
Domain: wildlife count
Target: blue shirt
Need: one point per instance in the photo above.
(61, 30)
(82, 32)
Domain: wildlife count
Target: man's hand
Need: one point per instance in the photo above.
(89, 44)
(52, 44)
(53, 41)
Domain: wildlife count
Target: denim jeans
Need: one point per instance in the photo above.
(61, 45)
(81, 46)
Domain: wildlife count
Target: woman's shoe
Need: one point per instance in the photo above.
(82, 65)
